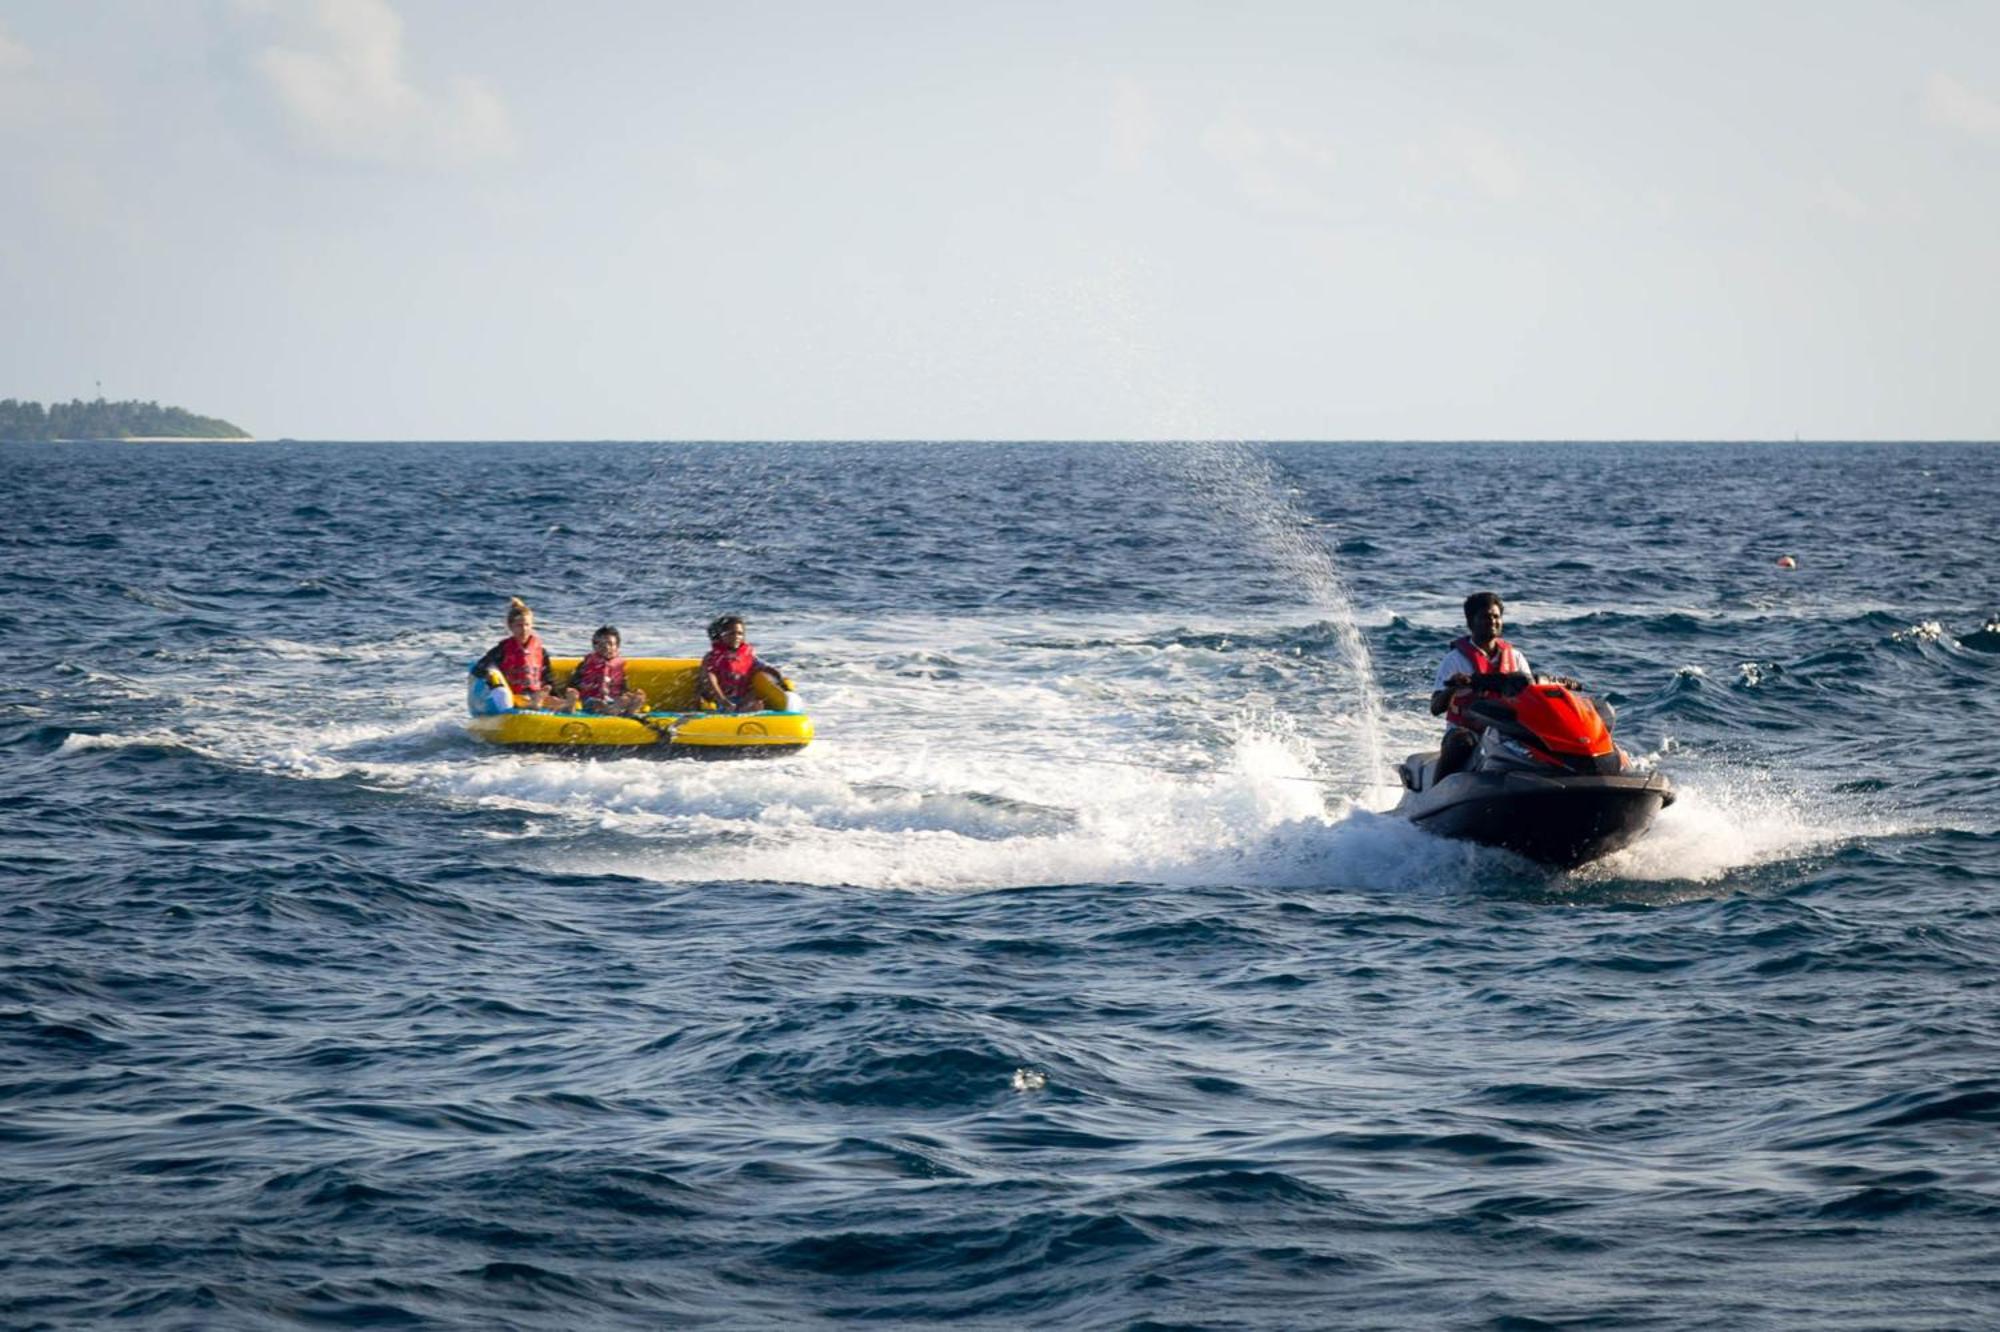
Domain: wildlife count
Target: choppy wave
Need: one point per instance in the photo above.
(1077, 974)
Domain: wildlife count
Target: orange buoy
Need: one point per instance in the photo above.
(1787, 562)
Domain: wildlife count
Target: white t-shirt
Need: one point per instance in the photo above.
(1455, 661)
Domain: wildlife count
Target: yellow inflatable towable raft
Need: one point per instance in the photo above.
(681, 726)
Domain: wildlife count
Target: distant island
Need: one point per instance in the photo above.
(77, 419)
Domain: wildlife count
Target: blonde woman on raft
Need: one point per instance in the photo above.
(522, 660)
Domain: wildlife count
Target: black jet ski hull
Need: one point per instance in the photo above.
(1563, 820)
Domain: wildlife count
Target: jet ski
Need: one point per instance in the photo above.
(1545, 781)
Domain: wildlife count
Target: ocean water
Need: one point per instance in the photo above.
(1075, 976)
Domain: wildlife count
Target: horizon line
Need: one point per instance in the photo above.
(1101, 439)
(747, 440)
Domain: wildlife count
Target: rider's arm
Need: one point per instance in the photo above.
(1451, 676)
(1441, 697)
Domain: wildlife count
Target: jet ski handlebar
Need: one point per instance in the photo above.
(1506, 685)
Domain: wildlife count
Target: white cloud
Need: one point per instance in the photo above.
(1281, 171)
(1951, 105)
(345, 91)
(48, 105)
(1134, 125)
(1834, 197)
(1882, 204)
(14, 57)
(1463, 157)
(1287, 172)
(19, 101)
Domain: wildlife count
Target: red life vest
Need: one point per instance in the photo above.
(1504, 661)
(601, 678)
(521, 663)
(731, 669)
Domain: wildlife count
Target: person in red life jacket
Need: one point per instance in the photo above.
(598, 684)
(1481, 652)
(521, 660)
(727, 670)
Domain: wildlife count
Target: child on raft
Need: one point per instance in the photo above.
(727, 672)
(598, 684)
(522, 660)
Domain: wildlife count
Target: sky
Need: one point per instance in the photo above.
(640, 219)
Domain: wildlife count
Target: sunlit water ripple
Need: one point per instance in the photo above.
(1075, 975)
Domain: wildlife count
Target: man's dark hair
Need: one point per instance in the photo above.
(1479, 600)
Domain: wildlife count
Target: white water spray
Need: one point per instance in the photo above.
(1243, 488)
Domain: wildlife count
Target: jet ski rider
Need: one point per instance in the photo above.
(1481, 652)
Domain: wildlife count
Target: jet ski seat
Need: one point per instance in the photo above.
(1455, 751)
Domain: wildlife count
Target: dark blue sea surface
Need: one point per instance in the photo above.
(1076, 975)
